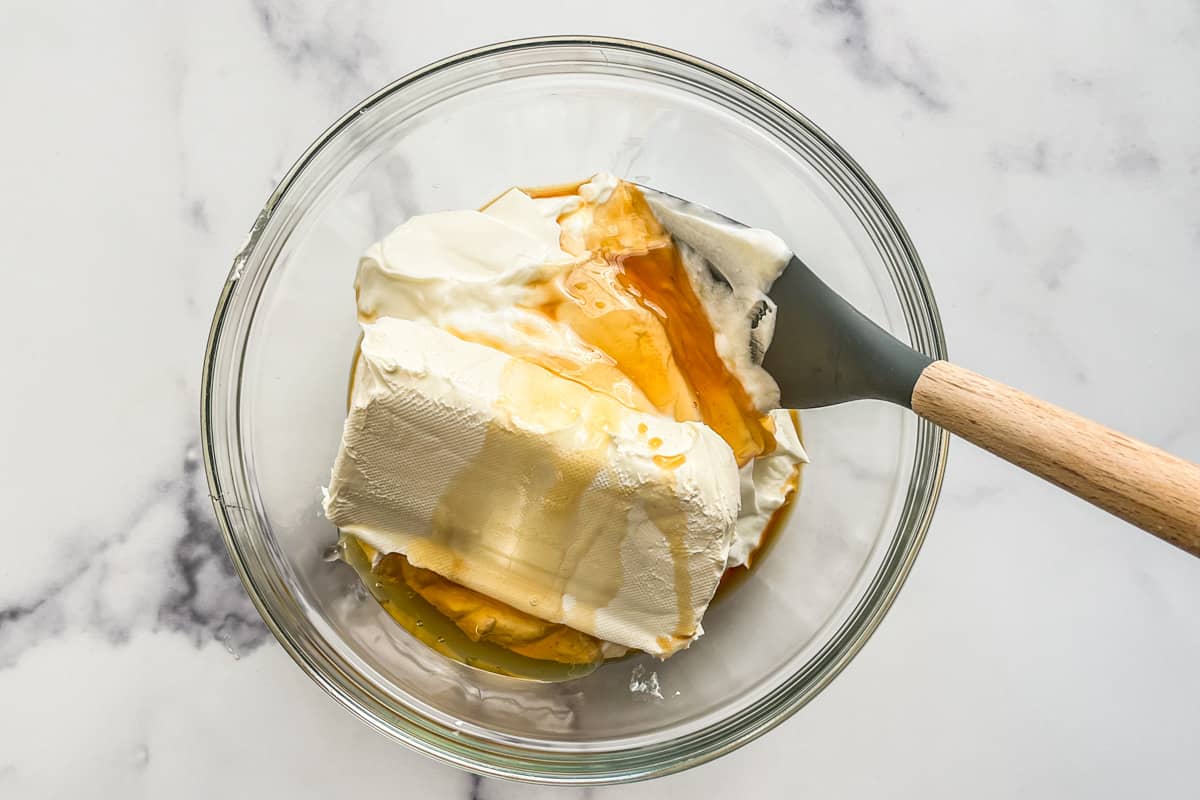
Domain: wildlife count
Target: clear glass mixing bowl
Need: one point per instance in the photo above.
(453, 135)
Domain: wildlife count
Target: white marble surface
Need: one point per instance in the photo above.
(1045, 159)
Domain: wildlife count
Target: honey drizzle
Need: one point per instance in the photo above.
(686, 626)
(554, 189)
(634, 302)
(431, 627)
(513, 629)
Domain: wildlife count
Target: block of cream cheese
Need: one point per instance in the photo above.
(525, 486)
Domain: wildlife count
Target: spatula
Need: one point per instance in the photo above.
(826, 352)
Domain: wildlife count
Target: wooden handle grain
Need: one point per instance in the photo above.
(1141, 484)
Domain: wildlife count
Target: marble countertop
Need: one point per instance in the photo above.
(1045, 160)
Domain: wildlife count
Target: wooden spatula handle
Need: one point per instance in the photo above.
(1141, 484)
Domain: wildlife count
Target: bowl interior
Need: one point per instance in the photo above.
(453, 139)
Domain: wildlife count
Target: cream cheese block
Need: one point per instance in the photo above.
(531, 489)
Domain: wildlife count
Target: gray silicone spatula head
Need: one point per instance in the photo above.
(827, 352)
(824, 351)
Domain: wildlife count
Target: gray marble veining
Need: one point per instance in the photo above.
(910, 70)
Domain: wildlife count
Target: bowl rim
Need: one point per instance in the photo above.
(707, 744)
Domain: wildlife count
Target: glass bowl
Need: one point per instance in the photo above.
(453, 135)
